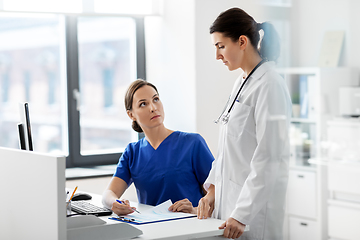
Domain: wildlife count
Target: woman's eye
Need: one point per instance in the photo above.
(142, 104)
(156, 99)
(221, 47)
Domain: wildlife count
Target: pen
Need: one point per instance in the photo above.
(124, 203)
(72, 195)
(130, 220)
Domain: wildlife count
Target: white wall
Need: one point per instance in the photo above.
(170, 62)
(353, 36)
(312, 18)
(213, 80)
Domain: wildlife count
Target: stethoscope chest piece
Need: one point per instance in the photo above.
(225, 118)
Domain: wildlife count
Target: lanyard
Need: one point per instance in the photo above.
(226, 117)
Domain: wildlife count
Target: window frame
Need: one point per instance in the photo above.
(75, 159)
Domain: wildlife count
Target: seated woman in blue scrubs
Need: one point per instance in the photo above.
(165, 164)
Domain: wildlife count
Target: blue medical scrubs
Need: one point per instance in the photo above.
(175, 170)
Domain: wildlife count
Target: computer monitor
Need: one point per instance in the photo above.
(24, 128)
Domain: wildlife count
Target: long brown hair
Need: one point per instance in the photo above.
(129, 97)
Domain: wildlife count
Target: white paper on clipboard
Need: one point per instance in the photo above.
(158, 213)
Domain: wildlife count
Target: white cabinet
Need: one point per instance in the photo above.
(302, 205)
(302, 229)
(344, 219)
(302, 194)
(315, 96)
(344, 179)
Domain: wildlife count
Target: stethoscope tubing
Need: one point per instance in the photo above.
(226, 117)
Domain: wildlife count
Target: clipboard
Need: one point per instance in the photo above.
(139, 222)
(160, 213)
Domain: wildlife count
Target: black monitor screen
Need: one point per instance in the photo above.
(24, 128)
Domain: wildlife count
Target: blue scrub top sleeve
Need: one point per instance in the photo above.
(202, 159)
(122, 169)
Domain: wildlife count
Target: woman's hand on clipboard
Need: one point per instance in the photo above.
(183, 206)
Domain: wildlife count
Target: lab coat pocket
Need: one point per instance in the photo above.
(233, 193)
(238, 118)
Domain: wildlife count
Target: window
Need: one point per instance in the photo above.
(73, 71)
(31, 70)
(72, 6)
(125, 6)
(107, 65)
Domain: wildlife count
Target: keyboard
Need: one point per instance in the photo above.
(86, 208)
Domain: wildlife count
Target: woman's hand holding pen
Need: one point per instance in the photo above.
(183, 206)
(122, 207)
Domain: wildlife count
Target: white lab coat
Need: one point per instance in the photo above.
(250, 173)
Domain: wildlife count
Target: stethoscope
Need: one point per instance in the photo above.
(225, 118)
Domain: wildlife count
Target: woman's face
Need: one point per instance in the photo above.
(228, 51)
(147, 109)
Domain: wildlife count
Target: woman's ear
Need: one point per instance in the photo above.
(243, 41)
(130, 114)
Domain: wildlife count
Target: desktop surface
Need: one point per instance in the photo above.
(189, 228)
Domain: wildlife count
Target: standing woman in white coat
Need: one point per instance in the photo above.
(248, 179)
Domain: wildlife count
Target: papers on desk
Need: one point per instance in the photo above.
(159, 213)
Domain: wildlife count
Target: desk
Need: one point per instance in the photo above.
(189, 228)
